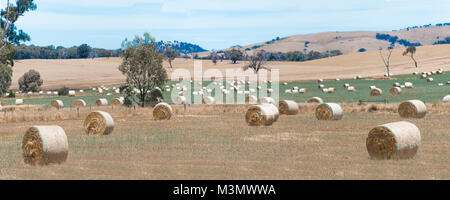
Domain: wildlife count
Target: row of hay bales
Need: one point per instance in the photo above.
(80, 103)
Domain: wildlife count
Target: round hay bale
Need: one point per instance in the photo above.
(275, 111)
(409, 85)
(58, 104)
(101, 102)
(162, 111)
(117, 101)
(332, 90)
(79, 103)
(71, 93)
(372, 87)
(329, 111)
(396, 84)
(267, 100)
(251, 99)
(208, 100)
(288, 107)
(99, 123)
(424, 76)
(325, 90)
(320, 80)
(430, 80)
(412, 109)
(180, 100)
(376, 92)
(20, 102)
(315, 100)
(399, 140)
(395, 90)
(351, 89)
(321, 86)
(260, 115)
(446, 99)
(44, 145)
(303, 91)
(346, 85)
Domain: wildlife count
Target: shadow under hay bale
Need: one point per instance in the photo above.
(44, 145)
(162, 111)
(99, 123)
(400, 140)
(412, 109)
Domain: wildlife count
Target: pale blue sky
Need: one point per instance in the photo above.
(216, 24)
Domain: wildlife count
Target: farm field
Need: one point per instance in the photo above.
(223, 146)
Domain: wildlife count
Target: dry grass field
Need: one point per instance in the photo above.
(214, 142)
(86, 73)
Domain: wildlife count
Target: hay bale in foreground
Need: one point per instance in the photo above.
(329, 111)
(376, 92)
(208, 100)
(251, 99)
(446, 99)
(288, 107)
(117, 101)
(412, 109)
(44, 145)
(101, 102)
(20, 102)
(99, 123)
(79, 103)
(162, 111)
(260, 115)
(399, 140)
(58, 104)
(267, 100)
(395, 90)
(315, 100)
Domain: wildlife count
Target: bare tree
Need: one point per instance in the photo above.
(257, 62)
(411, 50)
(387, 58)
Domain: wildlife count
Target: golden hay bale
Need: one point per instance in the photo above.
(20, 102)
(446, 99)
(79, 103)
(409, 85)
(44, 145)
(251, 99)
(99, 123)
(180, 100)
(117, 102)
(58, 104)
(315, 100)
(351, 89)
(260, 115)
(395, 90)
(101, 102)
(376, 92)
(268, 100)
(399, 140)
(162, 111)
(288, 107)
(329, 111)
(412, 109)
(208, 100)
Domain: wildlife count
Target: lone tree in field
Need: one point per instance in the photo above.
(387, 58)
(9, 36)
(30, 81)
(411, 51)
(235, 55)
(214, 57)
(257, 62)
(143, 67)
(170, 55)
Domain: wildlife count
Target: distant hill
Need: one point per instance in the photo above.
(182, 47)
(353, 42)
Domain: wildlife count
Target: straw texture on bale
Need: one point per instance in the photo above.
(58, 104)
(180, 100)
(117, 102)
(99, 123)
(288, 107)
(20, 102)
(329, 111)
(395, 90)
(376, 92)
(162, 111)
(399, 140)
(412, 109)
(79, 103)
(251, 99)
(268, 100)
(101, 102)
(315, 100)
(260, 115)
(44, 145)
(208, 100)
(446, 99)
